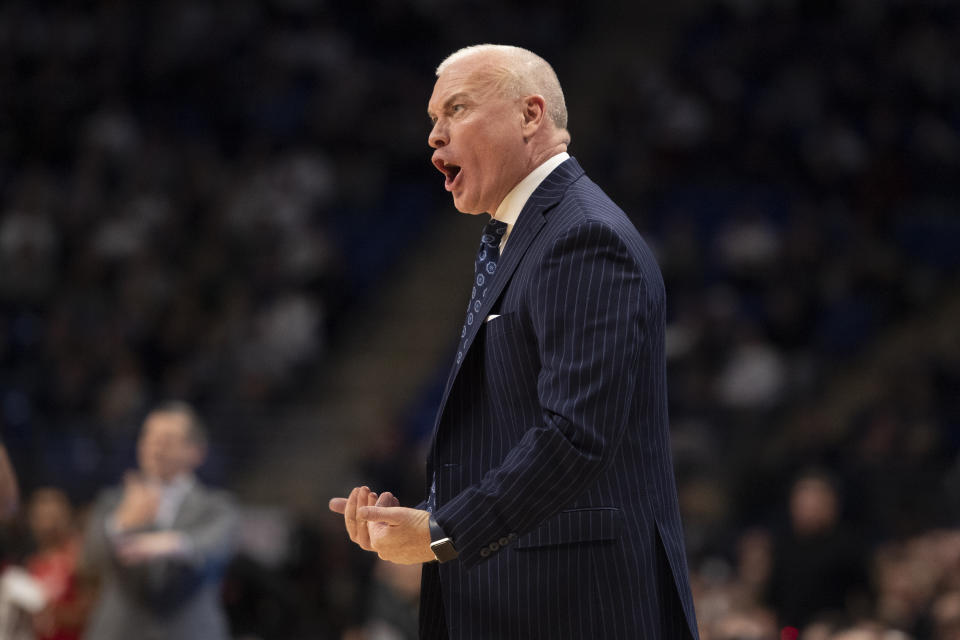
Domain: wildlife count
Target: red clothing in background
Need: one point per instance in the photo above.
(55, 569)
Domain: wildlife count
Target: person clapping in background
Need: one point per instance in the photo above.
(160, 543)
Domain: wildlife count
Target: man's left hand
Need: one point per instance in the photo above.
(399, 534)
(143, 547)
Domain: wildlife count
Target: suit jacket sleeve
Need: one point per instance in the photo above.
(165, 582)
(588, 305)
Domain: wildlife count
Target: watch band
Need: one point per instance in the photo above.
(441, 545)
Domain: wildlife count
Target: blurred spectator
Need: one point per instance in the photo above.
(868, 631)
(9, 487)
(160, 544)
(54, 566)
(818, 565)
(393, 604)
(755, 562)
(21, 598)
(753, 377)
(756, 624)
(946, 616)
(910, 576)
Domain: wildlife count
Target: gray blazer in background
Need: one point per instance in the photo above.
(163, 599)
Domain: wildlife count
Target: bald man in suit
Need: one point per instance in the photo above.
(551, 507)
(160, 543)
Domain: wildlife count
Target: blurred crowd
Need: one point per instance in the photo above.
(802, 158)
(187, 197)
(192, 193)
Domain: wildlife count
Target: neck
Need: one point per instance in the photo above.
(167, 481)
(543, 152)
(539, 153)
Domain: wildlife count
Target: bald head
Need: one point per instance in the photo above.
(497, 115)
(516, 73)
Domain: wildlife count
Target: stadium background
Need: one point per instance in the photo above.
(232, 203)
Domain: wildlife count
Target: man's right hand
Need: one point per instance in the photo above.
(138, 507)
(357, 528)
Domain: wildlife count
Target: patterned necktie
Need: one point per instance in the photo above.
(483, 270)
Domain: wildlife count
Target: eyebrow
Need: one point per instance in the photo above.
(454, 98)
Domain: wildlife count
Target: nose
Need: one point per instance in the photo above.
(438, 136)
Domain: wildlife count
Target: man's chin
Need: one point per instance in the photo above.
(463, 207)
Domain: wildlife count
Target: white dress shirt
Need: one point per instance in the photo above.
(172, 496)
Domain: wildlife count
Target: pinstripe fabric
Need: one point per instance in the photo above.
(551, 451)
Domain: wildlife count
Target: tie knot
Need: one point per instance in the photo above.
(493, 233)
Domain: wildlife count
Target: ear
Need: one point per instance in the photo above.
(534, 111)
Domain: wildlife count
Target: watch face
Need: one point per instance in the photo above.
(444, 550)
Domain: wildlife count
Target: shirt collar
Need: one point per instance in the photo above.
(172, 496)
(182, 483)
(509, 209)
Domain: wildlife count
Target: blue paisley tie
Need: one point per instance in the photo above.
(483, 269)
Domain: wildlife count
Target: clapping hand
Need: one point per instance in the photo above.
(138, 507)
(138, 548)
(357, 529)
(380, 524)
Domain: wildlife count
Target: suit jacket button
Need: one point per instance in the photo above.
(504, 542)
(493, 546)
(484, 552)
(512, 536)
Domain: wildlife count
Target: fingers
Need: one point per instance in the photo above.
(131, 483)
(390, 515)
(357, 526)
(363, 531)
(339, 505)
(365, 511)
(363, 497)
(387, 499)
(350, 514)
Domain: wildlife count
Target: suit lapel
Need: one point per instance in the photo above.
(529, 224)
(190, 505)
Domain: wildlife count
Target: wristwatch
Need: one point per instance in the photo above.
(441, 545)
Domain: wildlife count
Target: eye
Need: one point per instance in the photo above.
(458, 107)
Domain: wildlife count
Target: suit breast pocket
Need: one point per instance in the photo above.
(500, 325)
(511, 363)
(502, 339)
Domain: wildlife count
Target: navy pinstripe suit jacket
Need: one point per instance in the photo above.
(551, 450)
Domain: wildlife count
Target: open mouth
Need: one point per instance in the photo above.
(452, 172)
